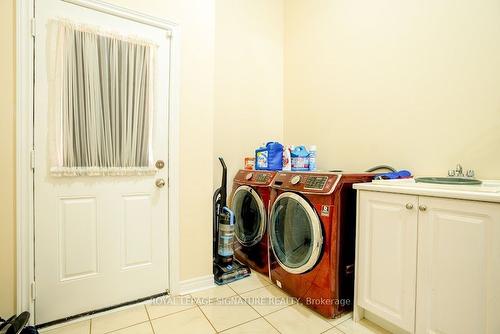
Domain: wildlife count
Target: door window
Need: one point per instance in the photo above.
(250, 216)
(296, 237)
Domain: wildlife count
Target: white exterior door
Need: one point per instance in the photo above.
(458, 267)
(99, 240)
(387, 255)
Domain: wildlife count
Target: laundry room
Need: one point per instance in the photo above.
(250, 166)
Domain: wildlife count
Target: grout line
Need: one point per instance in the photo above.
(216, 299)
(265, 319)
(147, 313)
(253, 308)
(199, 308)
(260, 287)
(340, 323)
(246, 322)
(230, 287)
(149, 317)
(176, 312)
(119, 329)
(276, 311)
(262, 316)
(151, 325)
(259, 316)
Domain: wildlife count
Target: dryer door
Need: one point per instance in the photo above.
(295, 233)
(249, 215)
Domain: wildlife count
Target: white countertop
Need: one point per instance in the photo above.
(488, 191)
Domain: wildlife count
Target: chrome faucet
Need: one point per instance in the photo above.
(459, 172)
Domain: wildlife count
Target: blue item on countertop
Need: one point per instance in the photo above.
(261, 157)
(402, 174)
(269, 157)
(312, 158)
(300, 159)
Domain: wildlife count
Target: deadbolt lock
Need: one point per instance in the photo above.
(160, 164)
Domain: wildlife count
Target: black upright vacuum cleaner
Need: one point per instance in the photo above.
(226, 268)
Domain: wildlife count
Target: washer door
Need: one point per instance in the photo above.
(295, 233)
(249, 215)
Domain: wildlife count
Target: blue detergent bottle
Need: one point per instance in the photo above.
(269, 157)
(300, 159)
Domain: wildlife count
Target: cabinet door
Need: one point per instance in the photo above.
(387, 255)
(458, 289)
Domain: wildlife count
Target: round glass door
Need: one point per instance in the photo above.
(295, 233)
(249, 216)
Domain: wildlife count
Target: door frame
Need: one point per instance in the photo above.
(25, 288)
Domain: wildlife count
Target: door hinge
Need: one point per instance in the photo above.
(33, 290)
(33, 27)
(32, 159)
(169, 33)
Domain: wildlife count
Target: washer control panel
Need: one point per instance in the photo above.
(254, 177)
(262, 178)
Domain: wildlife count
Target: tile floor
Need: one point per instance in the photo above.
(231, 309)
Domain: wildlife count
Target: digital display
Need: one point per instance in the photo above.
(261, 178)
(315, 182)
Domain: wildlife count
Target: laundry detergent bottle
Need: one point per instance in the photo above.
(312, 158)
(287, 158)
(269, 157)
(300, 159)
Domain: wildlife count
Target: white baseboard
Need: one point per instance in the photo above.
(196, 284)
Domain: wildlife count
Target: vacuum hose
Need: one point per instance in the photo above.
(392, 169)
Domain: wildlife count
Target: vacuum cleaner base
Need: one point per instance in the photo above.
(230, 273)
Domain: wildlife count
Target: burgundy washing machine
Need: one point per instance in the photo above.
(249, 201)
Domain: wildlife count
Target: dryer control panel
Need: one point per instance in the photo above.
(314, 183)
(254, 177)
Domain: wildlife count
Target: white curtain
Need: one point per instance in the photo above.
(102, 102)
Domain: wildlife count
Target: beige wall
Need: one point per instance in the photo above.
(411, 83)
(7, 161)
(196, 19)
(248, 79)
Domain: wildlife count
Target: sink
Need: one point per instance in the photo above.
(445, 183)
(448, 180)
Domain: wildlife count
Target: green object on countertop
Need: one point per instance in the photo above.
(448, 180)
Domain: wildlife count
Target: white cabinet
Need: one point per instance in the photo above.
(429, 265)
(458, 284)
(387, 256)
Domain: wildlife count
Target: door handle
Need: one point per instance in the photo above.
(422, 207)
(409, 206)
(160, 183)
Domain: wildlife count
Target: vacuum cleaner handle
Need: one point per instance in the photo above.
(223, 188)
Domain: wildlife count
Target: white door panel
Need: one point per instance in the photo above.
(387, 254)
(458, 267)
(99, 241)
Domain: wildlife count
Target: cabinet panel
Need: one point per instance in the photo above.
(458, 267)
(387, 254)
